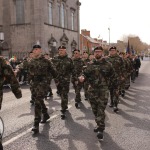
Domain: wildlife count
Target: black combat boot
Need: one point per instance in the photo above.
(63, 115)
(32, 102)
(96, 129)
(116, 108)
(111, 104)
(123, 93)
(50, 94)
(45, 118)
(100, 135)
(77, 105)
(58, 93)
(35, 128)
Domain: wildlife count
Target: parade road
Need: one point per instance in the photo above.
(127, 130)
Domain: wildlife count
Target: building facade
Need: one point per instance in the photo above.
(49, 22)
(87, 43)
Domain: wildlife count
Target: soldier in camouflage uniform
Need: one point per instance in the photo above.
(31, 56)
(133, 72)
(50, 77)
(85, 84)
(78, 67)
(64, 66)
(39, 69)
(129, 69)
(118, 66)
(122, 85)
(25, 70)
(23, 66)
(7, 74)
(98, 73)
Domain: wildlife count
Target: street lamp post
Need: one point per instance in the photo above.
(1, 41)
(53, 48)
(109, 35)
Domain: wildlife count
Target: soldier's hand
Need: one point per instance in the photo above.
(76, 82)
(17, 93)
(57, 83)
(15, 72)
(122, 78)
(81, 78)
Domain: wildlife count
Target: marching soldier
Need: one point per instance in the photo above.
(118, 66)
(7, 74)
(85, 84)
(78, 67)
(39, 69)
(64, 66)
(50, 77)
(98, 73)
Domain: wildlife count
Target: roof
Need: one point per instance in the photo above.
(91, 39)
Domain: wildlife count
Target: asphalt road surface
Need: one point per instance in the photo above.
(127, 130)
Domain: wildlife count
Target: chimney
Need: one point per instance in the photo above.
(85, 32)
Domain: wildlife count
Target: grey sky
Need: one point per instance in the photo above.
(124, 17)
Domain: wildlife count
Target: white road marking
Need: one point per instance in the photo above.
(29, 130)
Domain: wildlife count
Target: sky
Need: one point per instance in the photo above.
(123, 17)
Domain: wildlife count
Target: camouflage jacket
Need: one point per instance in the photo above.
(64, 66)
(128, 66)
(6, 73)
(40, 68)
(78, 67)
(99, 73)
(86, 61)
(118, 65)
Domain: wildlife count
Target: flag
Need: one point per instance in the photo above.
(132, 50)
(128, 48)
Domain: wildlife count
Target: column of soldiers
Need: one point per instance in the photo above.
(98, 75)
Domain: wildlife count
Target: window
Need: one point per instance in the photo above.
(72, 20)
(50, 19)
(62, 15)
(20, 16)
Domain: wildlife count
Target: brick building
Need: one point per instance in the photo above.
(87, 43)
(50, 22)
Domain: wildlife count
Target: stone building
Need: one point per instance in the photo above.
(49, 22)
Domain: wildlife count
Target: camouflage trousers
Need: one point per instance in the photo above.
(133, 75)
(32, 93)
(64, 90)
(49, 86)
(39, 90)
(85, 86)
(122, 85)
(98, 100)
(114, 95)
(77, 88)
(127, 82)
